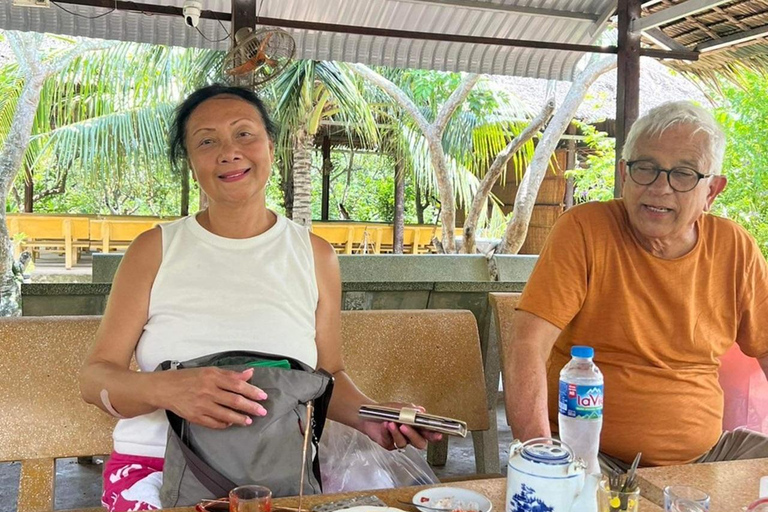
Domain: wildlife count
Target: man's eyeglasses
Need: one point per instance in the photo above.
(681, 179)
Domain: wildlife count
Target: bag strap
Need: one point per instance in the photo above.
(318, 422)
(215, 482)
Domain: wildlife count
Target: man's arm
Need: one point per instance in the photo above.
(764, 365)
(525, 375)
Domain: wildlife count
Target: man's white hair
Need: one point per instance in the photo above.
(666, 115)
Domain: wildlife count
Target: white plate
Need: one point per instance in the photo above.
(371, 508)
(456, 494)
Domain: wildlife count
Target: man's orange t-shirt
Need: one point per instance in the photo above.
(657, 326)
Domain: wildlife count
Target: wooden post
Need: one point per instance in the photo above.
(67, 231)
(29, 190)
(243, 15)
(184, 191)
(628, 81)
(570, 164)
(399, 220)
(327, 169)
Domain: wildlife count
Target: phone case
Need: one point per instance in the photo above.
(415, 418)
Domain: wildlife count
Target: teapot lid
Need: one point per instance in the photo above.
(549, 452)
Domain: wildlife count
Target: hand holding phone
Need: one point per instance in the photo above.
(414, 418)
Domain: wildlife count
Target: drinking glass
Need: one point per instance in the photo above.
(250, 498)
(611, 501)
(681, 496)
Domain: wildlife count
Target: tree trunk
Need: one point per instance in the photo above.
(286, 185)
(499, 165)
(10, 162)
(29, 190)
(517, 229)
(184, 191)
(399, 220)
(327, 169)
(419, 206)
(302, 182)
(434, 134)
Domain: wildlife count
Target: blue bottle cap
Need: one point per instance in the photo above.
(582, 351)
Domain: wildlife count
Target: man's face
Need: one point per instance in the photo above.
(657, 213)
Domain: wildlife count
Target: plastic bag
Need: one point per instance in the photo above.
(350, 461)
(745, 392)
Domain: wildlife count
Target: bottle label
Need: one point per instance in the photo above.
(580, 401)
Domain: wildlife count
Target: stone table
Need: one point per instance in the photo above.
(731, 485)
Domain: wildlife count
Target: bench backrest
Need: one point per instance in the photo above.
(46, 227)
(429, 357)
(43, 414)
(502, 321)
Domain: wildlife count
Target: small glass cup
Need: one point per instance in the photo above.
(677, 496)
(613, 501)
(250, 498)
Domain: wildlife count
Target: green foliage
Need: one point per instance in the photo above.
(594, 180)
(744, 117)
(366, 188)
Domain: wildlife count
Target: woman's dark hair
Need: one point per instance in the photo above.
(177, 149)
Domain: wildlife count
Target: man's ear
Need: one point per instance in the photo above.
(716, 186)
(623, 174)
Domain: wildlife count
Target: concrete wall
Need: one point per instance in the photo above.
(368, 282)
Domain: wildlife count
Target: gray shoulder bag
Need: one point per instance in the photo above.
(204, 463)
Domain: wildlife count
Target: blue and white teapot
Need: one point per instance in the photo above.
(543, 476)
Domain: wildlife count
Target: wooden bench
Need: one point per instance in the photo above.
(428, 357)
(66, 234)
(109, 234)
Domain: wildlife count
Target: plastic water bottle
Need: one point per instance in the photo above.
(580, 406)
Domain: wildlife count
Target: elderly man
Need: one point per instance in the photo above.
(660, 288)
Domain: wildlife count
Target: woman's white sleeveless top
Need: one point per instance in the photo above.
(213, 294)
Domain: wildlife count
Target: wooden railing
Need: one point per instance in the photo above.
(71, 234)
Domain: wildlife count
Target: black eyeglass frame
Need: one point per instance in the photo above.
(668, 172)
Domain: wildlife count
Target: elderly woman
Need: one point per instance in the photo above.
(235, 276)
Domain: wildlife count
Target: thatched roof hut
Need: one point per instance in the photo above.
(658, 84)
(730, 36)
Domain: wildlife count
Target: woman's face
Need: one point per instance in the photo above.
(229, 150)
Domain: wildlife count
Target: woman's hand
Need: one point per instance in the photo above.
(393, 436)
(212, 397)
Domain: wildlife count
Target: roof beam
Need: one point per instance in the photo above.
(312, 26)
(673, 13)
(733, 39)
(514, 9)
(602, 20)
(661, 39)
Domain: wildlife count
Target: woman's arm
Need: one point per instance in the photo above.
(347, 398)
(105, 376)
(208, 396)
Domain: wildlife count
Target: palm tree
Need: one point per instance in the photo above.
(101, 113)
(306, 94)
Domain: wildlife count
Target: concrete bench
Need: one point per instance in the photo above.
(44, 417)
(427, 357)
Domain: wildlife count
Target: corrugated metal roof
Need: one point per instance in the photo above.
(563, 21)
